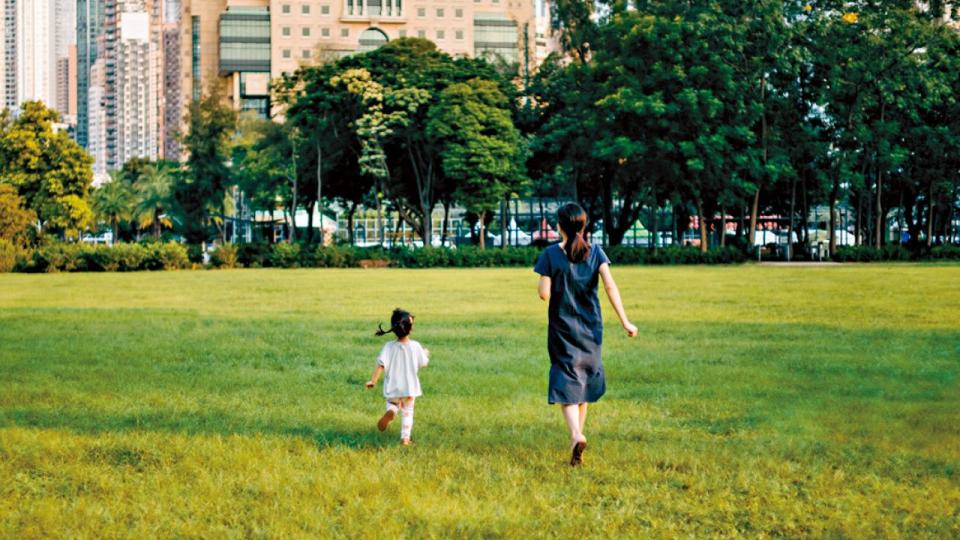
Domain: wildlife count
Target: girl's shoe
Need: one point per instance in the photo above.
(386, 419)
(576, 457)
(405, 442)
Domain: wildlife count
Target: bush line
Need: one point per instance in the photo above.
(63, 257)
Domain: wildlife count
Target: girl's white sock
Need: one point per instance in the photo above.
(406, 419)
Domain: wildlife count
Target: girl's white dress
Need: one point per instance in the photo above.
(401, 362)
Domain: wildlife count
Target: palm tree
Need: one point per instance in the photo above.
(113, 202)
(154, 188)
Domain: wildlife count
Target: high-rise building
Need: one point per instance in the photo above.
(89, 29)
(28, 71)
(240, 45)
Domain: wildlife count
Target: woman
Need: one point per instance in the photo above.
(569, 273)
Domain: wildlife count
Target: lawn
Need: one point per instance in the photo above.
(757, 401)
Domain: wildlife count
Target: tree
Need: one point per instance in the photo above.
(481, 149)
(15, 218)
(48, 169)
(154, 189)
(113, 202)
(200, 193)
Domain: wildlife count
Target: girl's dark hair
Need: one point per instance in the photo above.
(573, 222)
(401, 323)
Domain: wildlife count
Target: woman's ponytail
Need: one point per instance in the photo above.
(573, 222)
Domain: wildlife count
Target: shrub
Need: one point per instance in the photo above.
(857, 254)
(170, 256)
(946, 251)
(8, 256)
(224, 256)
(335, 257)
(60, 257)
(195, 253)
(285, 255)
(254, 254)
(896, 252)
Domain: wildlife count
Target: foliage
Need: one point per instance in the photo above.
(284, 255)
(224, 256)
(8, 255)
(48, 169)
(154, 190)
(15, 219)
(947, 251)
(200, 192)
(114, 202)
(119, 257)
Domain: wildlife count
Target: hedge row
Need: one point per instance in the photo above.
(893, 253)
(61, 257)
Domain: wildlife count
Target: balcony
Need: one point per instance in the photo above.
(373, 11)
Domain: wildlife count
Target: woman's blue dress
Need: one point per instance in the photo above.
(575, 330)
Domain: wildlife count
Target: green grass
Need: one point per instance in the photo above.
(757, 401)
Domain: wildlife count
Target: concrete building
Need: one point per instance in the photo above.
(240, 45)
(28, 71)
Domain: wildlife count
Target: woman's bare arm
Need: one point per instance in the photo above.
(613, 293)
(544, 288)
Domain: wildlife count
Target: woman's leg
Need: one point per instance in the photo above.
(406, 418)
(583, 416)
(571, 413)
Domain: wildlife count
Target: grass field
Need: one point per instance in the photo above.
(757, 401)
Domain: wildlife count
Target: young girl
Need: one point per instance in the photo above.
(400, 360)
(569, 273)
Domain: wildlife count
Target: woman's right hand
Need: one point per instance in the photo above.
(630, 328)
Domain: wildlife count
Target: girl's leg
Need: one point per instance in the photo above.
(388, 416)
(406, 419)
(571, 413)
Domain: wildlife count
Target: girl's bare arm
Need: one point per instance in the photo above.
(613, 293)
(375, 377)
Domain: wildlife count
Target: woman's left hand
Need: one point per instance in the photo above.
(630, 328)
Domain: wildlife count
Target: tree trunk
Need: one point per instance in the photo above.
(723, 226)
(156, 223)
(754, 209)
(930, 216)
(350, 214)
(445, 228)
(310, 208)
(793, 201)
(702, 219)
(115, 225)
(608, 227)
(805, 208)
(857, 231)
(833, 211)
(656, 224)
(319, 191)
(379, 212)
(483, 230)
(504, 209)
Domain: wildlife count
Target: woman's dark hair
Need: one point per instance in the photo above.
(573, 222)
(401, 323)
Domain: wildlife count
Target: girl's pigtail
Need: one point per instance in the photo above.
(380, 331)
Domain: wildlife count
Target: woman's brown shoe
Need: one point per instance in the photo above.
(576, 458)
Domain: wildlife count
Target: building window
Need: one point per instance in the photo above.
(440, 34)
(305, 31)
(195, 55)
(371, 39)
(325, 32)
(459, 35)
(344, 32)
(324, 10)
(306, 53)
(439, 13)
(305, 9)
(285, 8)
(458, 13)
(422, 34)
(286, 53)
(285, 31)
(495, 35)
(421, 12)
